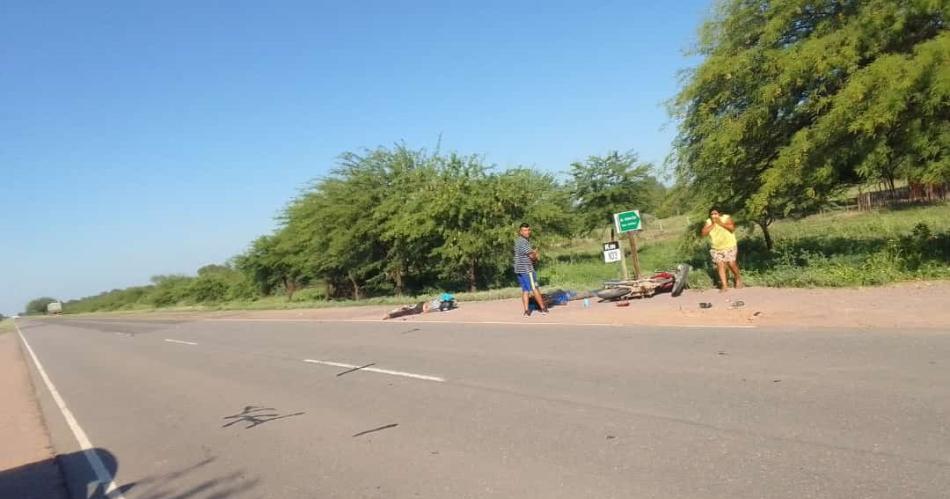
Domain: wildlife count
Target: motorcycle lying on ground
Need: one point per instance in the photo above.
(672, 281)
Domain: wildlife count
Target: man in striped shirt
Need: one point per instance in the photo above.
(525, 257)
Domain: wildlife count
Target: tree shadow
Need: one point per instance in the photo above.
(72, 476)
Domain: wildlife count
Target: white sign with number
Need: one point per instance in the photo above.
(612, 256)
(612, 252)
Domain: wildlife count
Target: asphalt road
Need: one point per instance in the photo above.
(214, 409)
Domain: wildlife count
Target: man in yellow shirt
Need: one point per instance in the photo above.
(721, 231)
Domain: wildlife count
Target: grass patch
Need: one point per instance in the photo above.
(828, 250)
(282, 303)
(6, 326)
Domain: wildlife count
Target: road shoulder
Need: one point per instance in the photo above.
(28, 465)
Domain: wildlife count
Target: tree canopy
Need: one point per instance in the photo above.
(615, 182)
(38, 305)
(796, 98)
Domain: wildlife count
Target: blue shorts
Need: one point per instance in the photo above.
(528, 282)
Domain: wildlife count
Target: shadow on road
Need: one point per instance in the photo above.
(44, 479)
(71, 476)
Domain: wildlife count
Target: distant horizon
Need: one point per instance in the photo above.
(141, 141)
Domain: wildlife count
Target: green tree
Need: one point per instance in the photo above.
(274, 262)
(796, 98)
(604, 185)
(38, 305)
(170, 290)
(217, 283)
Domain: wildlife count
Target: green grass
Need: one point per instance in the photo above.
(282, 303)
(837, 249)
(6, 325)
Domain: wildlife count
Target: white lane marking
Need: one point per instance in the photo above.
(102, 474)
(526, 322)
(377, 370)
(179, 341)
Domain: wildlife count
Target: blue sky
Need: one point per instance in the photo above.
(144, 138)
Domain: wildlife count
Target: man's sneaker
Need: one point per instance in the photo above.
(544, 312)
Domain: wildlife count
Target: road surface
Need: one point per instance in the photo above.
(240, 408)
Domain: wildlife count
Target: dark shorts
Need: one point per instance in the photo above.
(528, 282)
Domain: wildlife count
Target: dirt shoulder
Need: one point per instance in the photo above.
(27, 461)
(916, 305)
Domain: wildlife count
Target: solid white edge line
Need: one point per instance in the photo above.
(377, 370)
(180, 341)
(102, 474)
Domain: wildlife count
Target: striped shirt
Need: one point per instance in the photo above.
(523, 263)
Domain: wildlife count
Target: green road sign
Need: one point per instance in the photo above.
(627, 221)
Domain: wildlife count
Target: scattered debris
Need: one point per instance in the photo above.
(776, 381)
(705, 304)
(737, 304)
(413, 330)
(623, 304)
(722, 352)
(381, 428)
(610, 437)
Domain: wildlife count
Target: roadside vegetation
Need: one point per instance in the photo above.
(795, 105)
(845, 248)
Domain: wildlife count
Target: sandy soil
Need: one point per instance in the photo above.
(917, 305)
(27, 465)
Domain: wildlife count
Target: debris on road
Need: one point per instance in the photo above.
(381, 428)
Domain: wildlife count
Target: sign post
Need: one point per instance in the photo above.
(630, 222)
(613, 253)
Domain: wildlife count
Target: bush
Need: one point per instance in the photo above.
(170, 290)
(208, 289)
(38, 306)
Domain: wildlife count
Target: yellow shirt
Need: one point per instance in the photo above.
(720, 237)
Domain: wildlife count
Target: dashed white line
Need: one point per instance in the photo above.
(377, 370)
(180, 341)
(102, 473)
